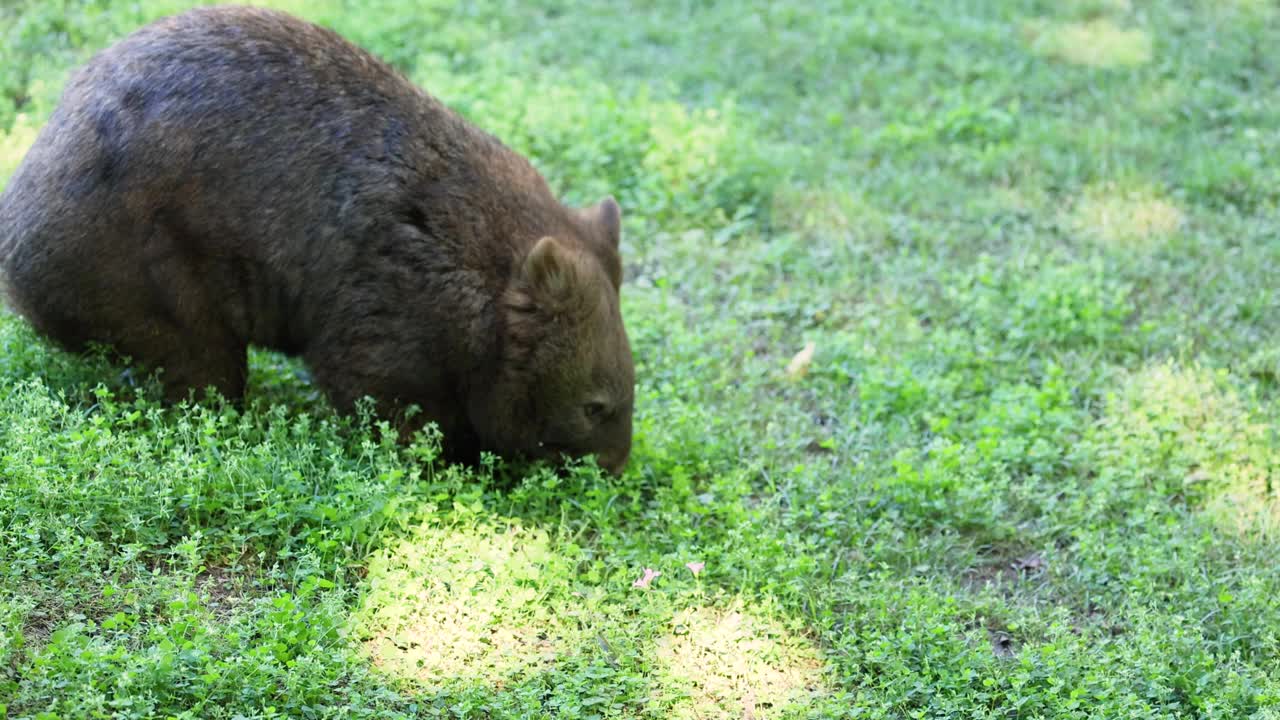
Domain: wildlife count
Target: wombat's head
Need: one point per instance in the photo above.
(566, 383)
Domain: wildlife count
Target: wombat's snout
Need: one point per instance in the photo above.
(614, 461)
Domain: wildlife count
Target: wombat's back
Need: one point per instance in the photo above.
(233, 114)
(226, 147)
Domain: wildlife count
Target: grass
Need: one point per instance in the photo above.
(1032, 469)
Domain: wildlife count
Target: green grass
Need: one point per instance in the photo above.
(1032, 471)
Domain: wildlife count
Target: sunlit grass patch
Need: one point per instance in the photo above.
(1124, 216)
(1097, 43)
(1250, 503)
(463, 603)
(1186, 433)
(14, 145)
(1160, 99)
(731, 663)
(834, 214)
(660, 158)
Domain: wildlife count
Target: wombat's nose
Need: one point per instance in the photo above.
(613, 461)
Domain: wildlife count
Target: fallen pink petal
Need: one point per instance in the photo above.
(643, 582)
(695, 567)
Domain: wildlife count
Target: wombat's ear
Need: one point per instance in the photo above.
(549, 270)
(605, 220)
(609, 219)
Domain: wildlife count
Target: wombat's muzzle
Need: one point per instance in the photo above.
(614, 462)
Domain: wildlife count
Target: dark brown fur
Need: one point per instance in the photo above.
(236, 176)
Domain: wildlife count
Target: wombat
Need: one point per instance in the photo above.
(233, 176)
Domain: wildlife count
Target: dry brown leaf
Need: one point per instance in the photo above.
(799, 365)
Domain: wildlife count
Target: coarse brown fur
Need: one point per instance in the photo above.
(234, 176)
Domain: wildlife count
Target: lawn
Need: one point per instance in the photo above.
(957, 347)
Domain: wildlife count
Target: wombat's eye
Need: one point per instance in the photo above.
(594, 410)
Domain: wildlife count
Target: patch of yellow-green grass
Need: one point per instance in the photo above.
(1123, 216)
(730, 663)
(1160, 99)
(1187, 429)
(462, 603)
(14, 145)
(1099, 43)
(828, 213)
